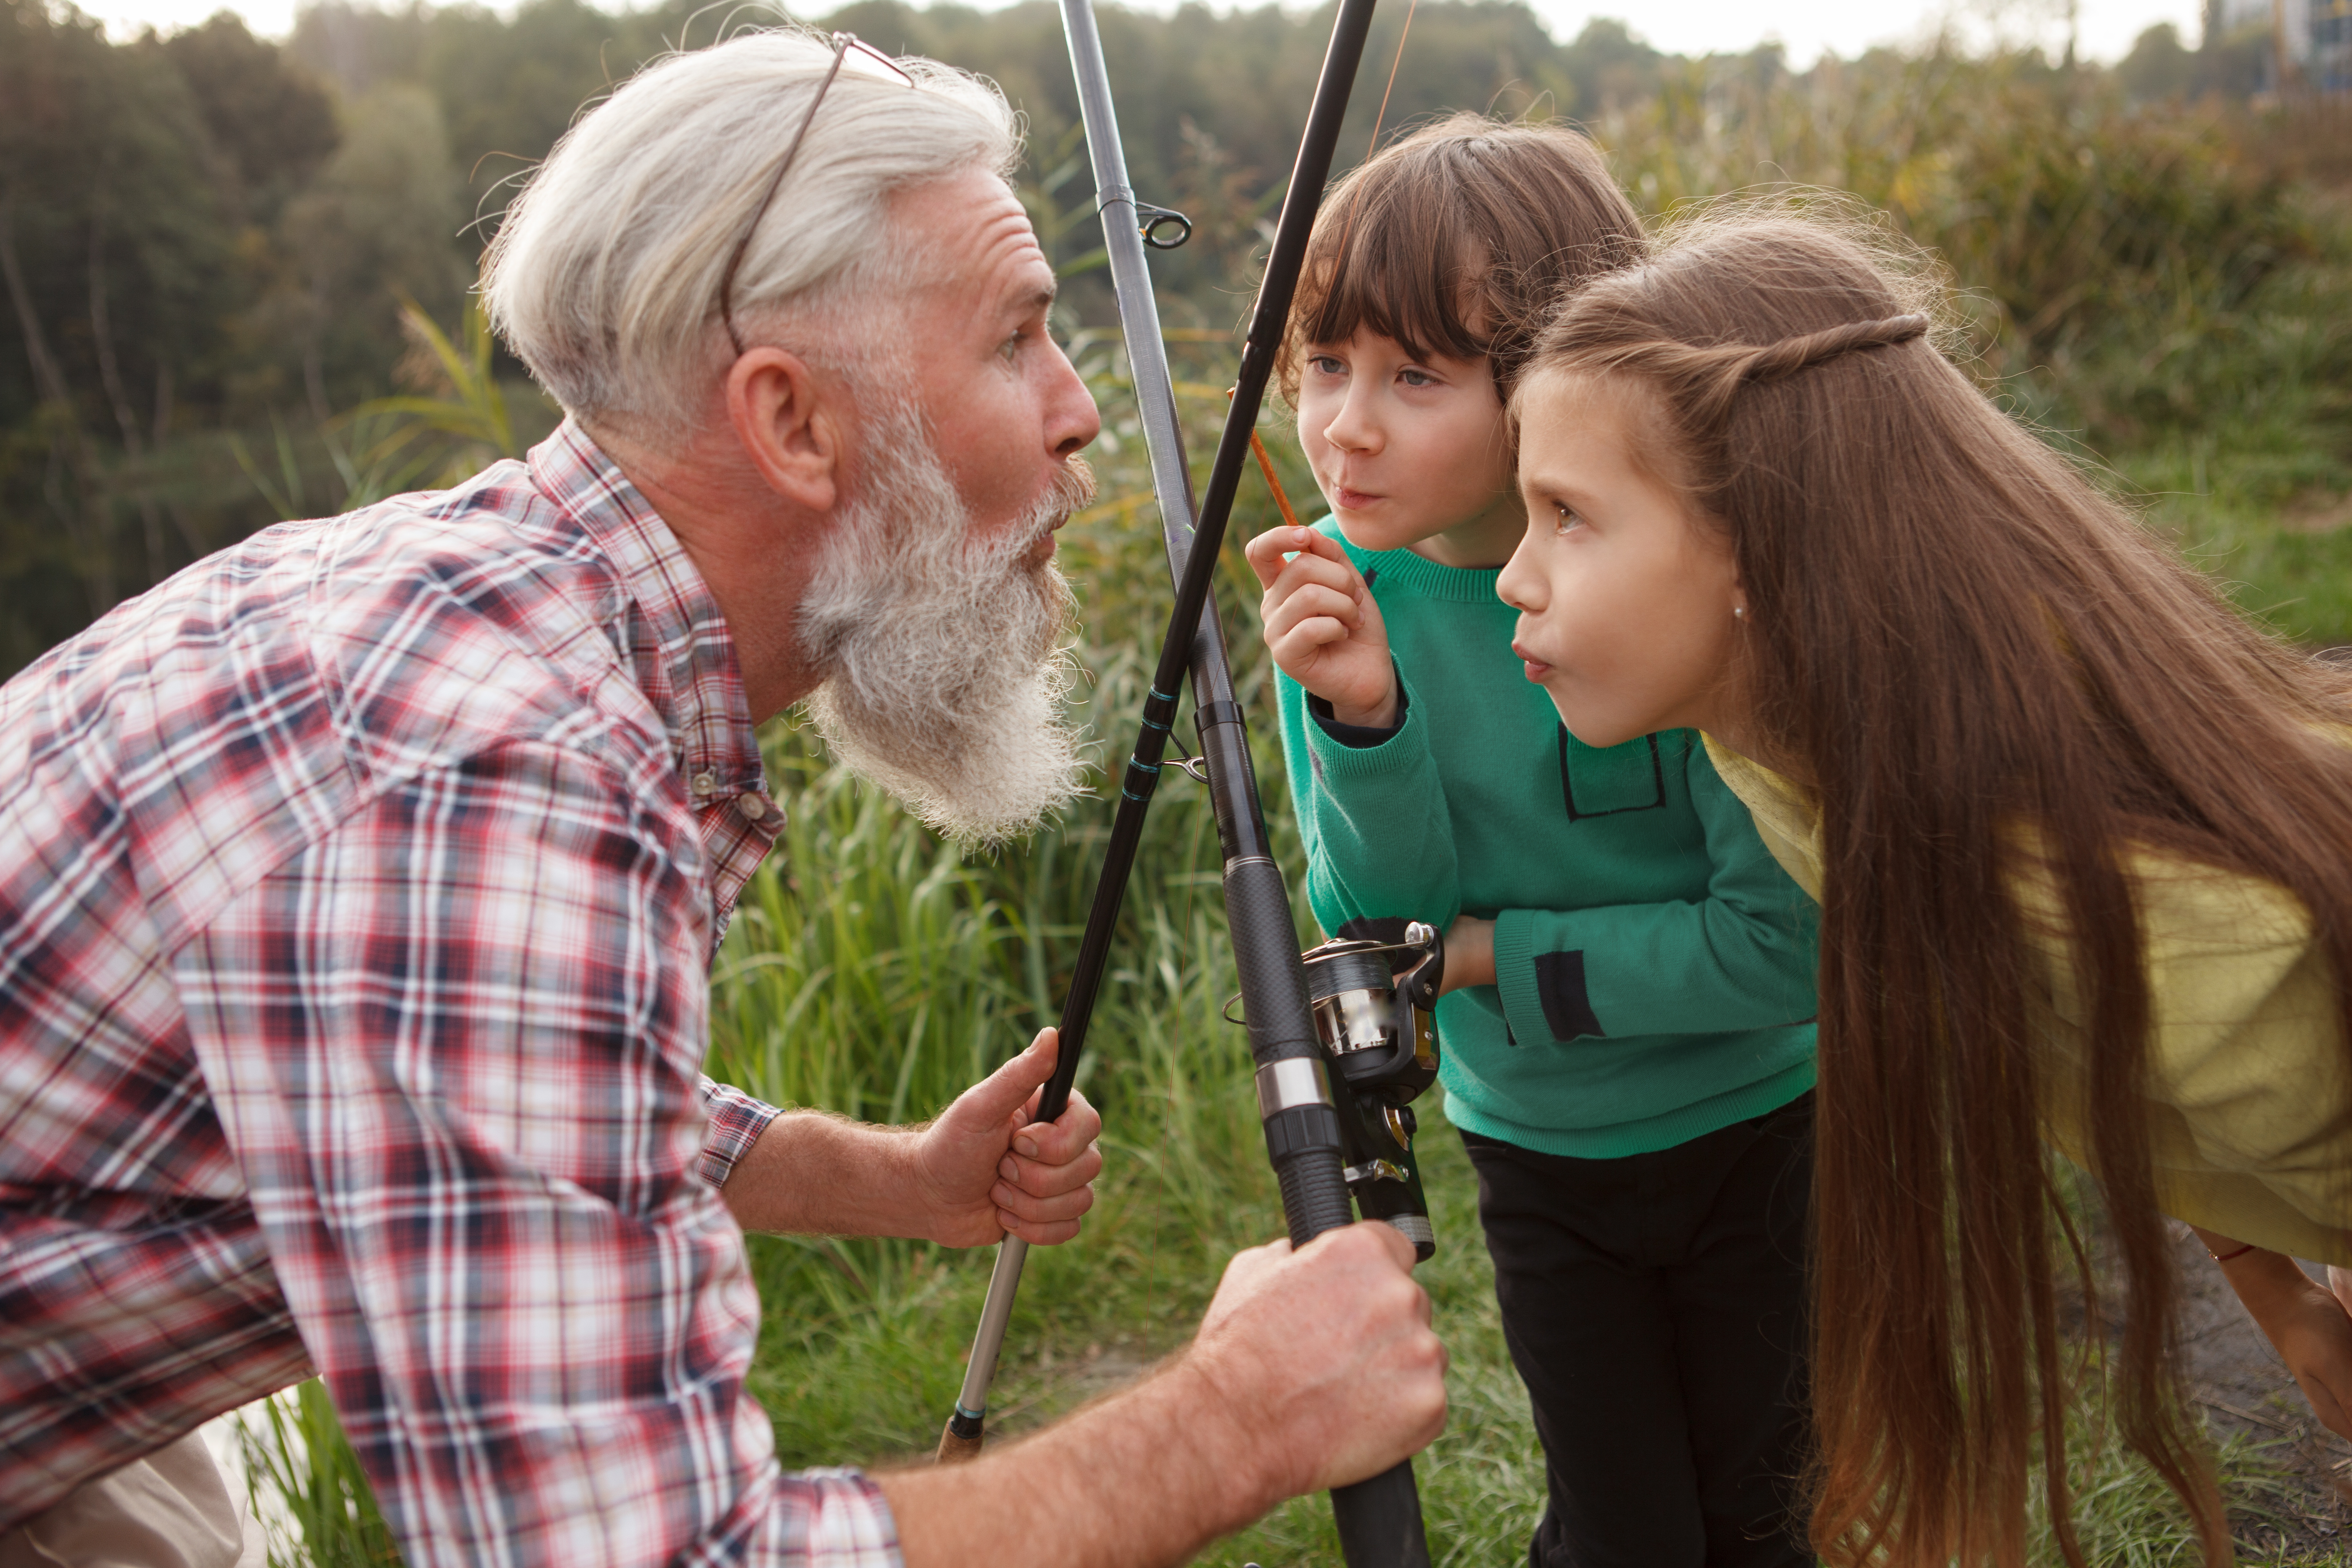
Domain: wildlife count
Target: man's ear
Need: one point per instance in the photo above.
(790, 420)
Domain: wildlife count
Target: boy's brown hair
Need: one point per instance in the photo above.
(1992, 671)
(1456, 240)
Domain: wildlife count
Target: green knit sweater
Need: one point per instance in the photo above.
(1654, 966)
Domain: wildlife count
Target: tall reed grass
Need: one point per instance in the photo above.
(2140, 285)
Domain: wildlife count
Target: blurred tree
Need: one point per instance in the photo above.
(2158, 65)
(208, 235)
(115, 252)
(1608, 68)
(381, 222)
(270, 118)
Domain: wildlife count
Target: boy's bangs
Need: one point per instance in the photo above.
(1398, 275)
(1456, 241)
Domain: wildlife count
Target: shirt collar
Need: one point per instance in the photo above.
(674, 636)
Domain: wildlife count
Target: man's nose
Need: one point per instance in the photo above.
(1072, 420)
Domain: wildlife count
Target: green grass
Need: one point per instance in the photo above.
(872, 971)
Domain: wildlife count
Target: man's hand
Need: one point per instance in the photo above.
(985, 1168)
(964, 1179)
(2307, 1322)
(1312, 1369)
(1322, 626)
(1322, 1361)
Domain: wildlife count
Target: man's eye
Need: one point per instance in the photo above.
(1011, 345)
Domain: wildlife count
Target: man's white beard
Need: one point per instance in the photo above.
(944, 669)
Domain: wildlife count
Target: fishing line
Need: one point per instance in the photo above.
(1348, 225)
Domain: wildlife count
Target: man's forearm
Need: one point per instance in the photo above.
(812, 1173)
(1138, 1479)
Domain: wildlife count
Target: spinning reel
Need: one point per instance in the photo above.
(1372, 1001)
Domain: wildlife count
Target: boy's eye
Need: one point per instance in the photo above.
(1564, 517)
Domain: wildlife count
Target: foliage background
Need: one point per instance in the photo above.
(236, 274)
(207, 240)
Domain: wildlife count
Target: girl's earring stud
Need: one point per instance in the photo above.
(1739, 612)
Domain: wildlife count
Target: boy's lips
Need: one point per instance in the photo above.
(1352, 500)
(1535, 668)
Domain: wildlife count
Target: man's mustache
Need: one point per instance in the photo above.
(1071, 489)
(1073, 484)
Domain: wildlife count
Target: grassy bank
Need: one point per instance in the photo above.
(874, 971)
(2144, 286)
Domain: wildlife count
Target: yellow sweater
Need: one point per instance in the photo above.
(2247, 1078)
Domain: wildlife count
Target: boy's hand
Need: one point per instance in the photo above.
(1322, 626)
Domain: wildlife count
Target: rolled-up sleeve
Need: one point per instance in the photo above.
(736, 1122)
(456, 1047)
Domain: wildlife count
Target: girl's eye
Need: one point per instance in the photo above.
(1412, 377)
(1323, 365)
(1564, 518)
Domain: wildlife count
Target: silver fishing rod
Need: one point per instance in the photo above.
(1379, 1519)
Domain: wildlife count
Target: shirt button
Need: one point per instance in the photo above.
(754, 808)
(704, 783)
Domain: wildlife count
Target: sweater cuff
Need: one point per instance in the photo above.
(1341, 756)
(1545, 994)
(1357, 736)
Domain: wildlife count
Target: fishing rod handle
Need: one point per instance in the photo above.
(1379, 1520)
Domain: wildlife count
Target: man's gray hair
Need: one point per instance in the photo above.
(605, 276)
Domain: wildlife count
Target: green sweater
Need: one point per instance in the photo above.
(1655, 966)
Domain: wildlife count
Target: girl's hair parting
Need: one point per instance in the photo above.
(1457, 240)
(1994, 671)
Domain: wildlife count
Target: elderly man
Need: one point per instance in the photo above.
(357, 889)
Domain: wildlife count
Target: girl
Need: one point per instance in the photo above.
(2082, 839)
(1626, 1051)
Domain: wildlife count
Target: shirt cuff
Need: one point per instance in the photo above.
(736, 1122)
(1357, 737)
(843, 1522)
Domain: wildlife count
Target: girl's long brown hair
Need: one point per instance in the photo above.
(1981, 659)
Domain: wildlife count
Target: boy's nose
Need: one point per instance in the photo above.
(1351, 429)
(1519, 585)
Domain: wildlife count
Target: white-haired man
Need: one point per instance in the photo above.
(357, 889)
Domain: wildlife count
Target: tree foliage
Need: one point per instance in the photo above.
(213, 235)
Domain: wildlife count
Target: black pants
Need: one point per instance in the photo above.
(1655, 1308)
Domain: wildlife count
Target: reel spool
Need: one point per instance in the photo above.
(1372, 1002)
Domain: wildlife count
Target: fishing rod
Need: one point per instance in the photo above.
(1323, 1135)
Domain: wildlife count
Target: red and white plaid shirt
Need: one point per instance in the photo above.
(358, 889)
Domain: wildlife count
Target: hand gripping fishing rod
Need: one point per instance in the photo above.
(1378, 1518)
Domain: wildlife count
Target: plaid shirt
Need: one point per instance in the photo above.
(358, 889)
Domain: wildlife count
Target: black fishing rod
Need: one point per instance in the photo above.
(1314, 1121)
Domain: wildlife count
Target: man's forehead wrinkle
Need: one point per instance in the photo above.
(1004, 239)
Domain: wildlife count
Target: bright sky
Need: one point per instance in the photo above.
(2107, 27)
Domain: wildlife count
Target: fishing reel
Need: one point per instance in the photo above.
(1372, 1000)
